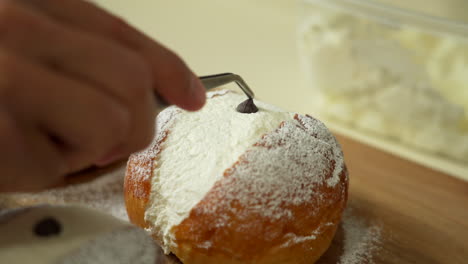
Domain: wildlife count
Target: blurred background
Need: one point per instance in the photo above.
(392, 74)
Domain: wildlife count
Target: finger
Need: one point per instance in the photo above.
(86, 122)
(173, 79)
(28, 161)
(88, 58)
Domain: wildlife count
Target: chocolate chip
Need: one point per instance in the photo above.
(48, 227)
(247, 107)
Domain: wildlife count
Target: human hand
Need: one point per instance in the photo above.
(77, 88)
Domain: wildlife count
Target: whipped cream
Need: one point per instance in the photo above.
(198, 148)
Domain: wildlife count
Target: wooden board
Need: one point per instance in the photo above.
(424, 213)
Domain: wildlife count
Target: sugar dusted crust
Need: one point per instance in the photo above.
(242, 235)
(140, 166)
(246, 218)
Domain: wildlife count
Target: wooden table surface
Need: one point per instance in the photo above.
(424, 213)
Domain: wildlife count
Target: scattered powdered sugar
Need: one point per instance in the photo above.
(361, 239)
(80, 236)
(122, 246)
(104, 194)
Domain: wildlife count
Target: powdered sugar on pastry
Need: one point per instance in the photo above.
(146, 157)
(290, 154)
(281, 169)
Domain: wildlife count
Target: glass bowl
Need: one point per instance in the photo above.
(392, 69)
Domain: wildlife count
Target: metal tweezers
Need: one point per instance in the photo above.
(213, 81)
(216, 80)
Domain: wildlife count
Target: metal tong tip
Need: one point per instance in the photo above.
(216, 80)
(213, 81)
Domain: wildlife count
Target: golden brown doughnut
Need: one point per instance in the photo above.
(219, 186)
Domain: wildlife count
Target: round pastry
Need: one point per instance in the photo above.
(71, 235)
(223, 186)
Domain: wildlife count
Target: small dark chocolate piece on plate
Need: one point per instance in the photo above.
(247, 107)
(47, 227)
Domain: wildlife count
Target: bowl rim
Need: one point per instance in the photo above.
(397, 16)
